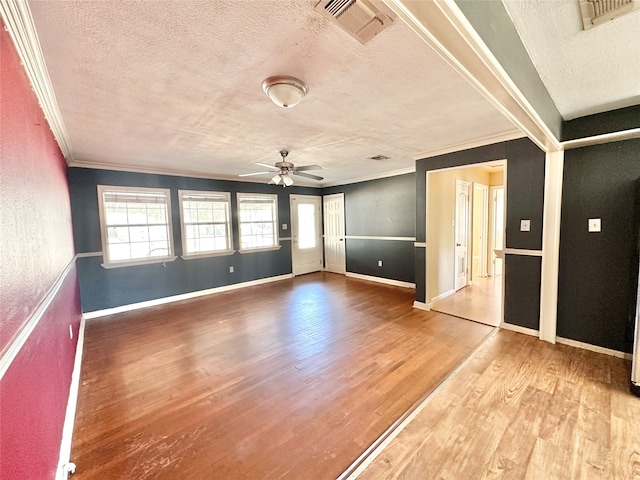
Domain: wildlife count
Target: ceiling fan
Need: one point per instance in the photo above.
(283, 171)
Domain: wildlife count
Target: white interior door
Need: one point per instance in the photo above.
(334, 250)
(462, 233)
(306, 239)
(497, 228)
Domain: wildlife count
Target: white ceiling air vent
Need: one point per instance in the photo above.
(596, 12)
(360, 18)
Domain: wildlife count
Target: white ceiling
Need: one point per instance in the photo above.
(585, 71)
(175, 86)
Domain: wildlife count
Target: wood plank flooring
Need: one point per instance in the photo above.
(292, 379)
(523, 409)
(480, 302)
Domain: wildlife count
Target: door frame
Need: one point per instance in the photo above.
(468, 239)
(484, 231)
(427, 262)
(342, 236)
(319, 241)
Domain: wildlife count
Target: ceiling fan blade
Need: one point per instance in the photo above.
(307, 175)
(255, 173)
(266, 165)
(304, 168)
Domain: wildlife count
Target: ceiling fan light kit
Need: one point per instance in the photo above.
(283, 171)
(285, 91)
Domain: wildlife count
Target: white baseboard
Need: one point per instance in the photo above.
(593, 348)
(422, 306)
(519, 329)
(569, 342)
(442, 296)
(184, 296)
(62, 472)
(387, 281)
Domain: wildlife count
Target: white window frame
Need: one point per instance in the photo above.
(276, 240)
(107, 263)
(209, 253)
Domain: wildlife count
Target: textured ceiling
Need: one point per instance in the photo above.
(585, 71)
(176, 86)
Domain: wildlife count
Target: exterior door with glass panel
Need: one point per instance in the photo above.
(306, 236)
(463, 194)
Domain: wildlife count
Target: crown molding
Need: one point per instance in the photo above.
(375, 176)
(600, 139)
(443, 26)
(19, 23)
(478, 142)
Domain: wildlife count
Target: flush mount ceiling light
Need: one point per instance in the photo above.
(284, 91)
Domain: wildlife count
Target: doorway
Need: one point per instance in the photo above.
(334, 248)
(306, 241)
(462, 275)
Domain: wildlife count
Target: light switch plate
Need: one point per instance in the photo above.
(284, 226)
(525, 225)
(594, 224)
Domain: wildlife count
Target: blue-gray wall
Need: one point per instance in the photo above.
(525, 200)
(383, 207)
(597, 278)
(380, 208)
(107, 288)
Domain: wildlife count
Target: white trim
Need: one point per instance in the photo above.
(106, 261)
(479, 142)
(593, 348)
(272, 198)
(519, 329)
(14, 346)
(133, 263)
(19, 23)
(229, 214)
(286, 239)
(553, 175)
(421, 306)
(184, 296)
(387, 281)
(420, 244)
(599, 139)
(370, 454)
(256, 250)
(442, 296)
(89, 254)
(375, 176)
(456, 41)
(373, 237)
(196, 256)
(69, 419)
(179, 173)
(522, 251)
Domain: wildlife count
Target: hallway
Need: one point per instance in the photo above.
(480, 302)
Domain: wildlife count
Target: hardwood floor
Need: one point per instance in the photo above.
(480, 302)
(523, 409)
(292, 379)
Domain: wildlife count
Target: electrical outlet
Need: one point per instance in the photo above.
(231, 269)
(525, 225)
(379, 263)
(594, 225)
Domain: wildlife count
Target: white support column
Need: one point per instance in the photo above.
(554, 165)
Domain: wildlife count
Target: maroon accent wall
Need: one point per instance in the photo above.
(36, 248)
(35, 217)
(35, 389)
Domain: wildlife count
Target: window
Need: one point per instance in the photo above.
(258, 218)
(206, 223)
(135, 225)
